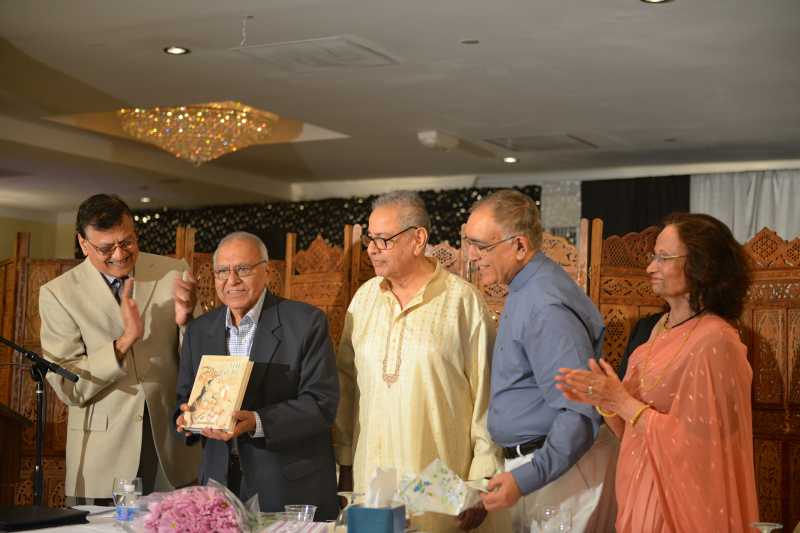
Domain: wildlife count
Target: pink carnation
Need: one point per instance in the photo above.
(190, 510)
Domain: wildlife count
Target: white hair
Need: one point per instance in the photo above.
(413, 212)
(242, 236)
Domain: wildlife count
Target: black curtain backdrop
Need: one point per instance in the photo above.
(627, 205)
(271, 221)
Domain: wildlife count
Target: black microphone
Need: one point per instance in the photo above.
(41, 361)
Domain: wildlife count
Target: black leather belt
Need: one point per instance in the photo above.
(523, 449)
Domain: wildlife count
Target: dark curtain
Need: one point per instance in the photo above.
(627, 205)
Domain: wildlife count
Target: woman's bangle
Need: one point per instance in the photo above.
(638, 414)
(607, 414)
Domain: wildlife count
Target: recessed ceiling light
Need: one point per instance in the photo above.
(145, 199)
(655, 1)
(510, 160)
(470, 41)
(176, 50)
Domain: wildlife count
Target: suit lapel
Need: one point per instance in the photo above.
(266, 341)
(144, 282)
(215, 335)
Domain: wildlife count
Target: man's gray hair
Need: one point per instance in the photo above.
(516, 213)
(243, 236)
(412, 208)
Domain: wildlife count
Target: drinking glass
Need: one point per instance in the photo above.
(126, 493)
(766, 527)
(305, 513)
(551, 519)
(290, 520)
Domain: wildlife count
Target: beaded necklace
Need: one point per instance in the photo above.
(646, 364)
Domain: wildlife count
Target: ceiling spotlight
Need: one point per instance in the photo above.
(145, 199)
(655, 1)
(469, 41)
(176, 50)
(510, 160)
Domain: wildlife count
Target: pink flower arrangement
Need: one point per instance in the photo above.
(193, 509)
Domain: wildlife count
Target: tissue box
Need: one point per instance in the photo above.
(376, 520)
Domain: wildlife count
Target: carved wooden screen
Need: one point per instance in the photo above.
(361, 266)
(620, 287)
(770, 326)
(32, 274)
(320, 276)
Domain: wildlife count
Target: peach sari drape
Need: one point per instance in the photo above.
(687, 465)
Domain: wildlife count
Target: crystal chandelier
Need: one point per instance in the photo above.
(200, 132)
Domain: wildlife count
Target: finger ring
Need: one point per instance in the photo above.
(589, 390)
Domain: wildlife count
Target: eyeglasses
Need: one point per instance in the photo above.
(383, 243)
(484, 248)
(242, 271)
(107, 250)
(661, 258)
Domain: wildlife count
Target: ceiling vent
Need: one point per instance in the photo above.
(541, 143)
(314, 55)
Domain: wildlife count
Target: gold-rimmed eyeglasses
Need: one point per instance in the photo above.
(107, 250)
(243, 270)
(662, 258)
(484, 248)
(383, 243)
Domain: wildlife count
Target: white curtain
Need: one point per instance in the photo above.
(750, 201)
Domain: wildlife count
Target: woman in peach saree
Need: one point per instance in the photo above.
(683, 409)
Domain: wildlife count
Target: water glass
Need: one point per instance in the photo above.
(126, 493)
(766, 527)
(305, 513)
(551, 519)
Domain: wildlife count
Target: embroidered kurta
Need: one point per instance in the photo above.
(415, 384)
(687, 465)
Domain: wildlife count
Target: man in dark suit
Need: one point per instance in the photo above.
(281, 445)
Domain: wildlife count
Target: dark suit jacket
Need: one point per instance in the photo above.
(639, 335)
(294, 388)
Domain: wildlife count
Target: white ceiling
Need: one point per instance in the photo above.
(687, 82)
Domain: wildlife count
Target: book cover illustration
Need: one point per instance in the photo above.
(218, 391)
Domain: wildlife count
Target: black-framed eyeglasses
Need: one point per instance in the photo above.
(484, 248)
(243, 270)
(107, 250)
(661, 258)
(383, 243)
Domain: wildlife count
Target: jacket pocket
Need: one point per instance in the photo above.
(300, 468)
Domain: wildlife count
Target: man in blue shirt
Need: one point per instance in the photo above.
(557, 455)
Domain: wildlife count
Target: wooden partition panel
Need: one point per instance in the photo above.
(770, 326)
(320, 276)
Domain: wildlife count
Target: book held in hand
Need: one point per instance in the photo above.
(218, 391)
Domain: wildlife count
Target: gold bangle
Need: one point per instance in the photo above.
(607, 414)
(641, 410)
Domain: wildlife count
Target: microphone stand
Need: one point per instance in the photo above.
(39, 368)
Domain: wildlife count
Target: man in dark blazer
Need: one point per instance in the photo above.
(281, 445)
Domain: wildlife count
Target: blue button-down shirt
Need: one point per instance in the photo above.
(548, 322)
(240, 340)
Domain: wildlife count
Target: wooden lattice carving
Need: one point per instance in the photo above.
(769, 479)
(769, 329)
(202, 267)
(768, 250)
(318, 258)
(630, 250)
(448, 257)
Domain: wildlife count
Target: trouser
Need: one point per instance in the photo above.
(584, 494)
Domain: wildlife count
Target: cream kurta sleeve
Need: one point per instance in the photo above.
(486, 460)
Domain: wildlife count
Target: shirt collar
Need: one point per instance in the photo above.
(439, 274)
(253, 314)
(527, 272)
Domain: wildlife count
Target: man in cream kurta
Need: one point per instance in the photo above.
(414, 364)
